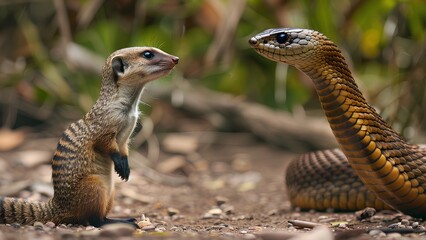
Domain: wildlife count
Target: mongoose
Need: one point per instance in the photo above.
(82, 166)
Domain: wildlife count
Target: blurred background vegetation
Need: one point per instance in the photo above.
(51, 52)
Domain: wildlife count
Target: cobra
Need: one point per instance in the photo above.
(375, 166)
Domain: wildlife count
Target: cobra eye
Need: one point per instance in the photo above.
(282, 38)
(148, 54)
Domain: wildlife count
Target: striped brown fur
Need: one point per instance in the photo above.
(92, 148)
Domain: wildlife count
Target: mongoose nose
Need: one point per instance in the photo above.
(252, 41)
(175, 60)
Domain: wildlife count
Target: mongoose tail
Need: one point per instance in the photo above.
(93, 147)
(13, 210)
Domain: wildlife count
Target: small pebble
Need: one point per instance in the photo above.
(90, 233)
(243, 232)
(62, 226)
(88, 228)
(249, 236)
(228, 209)
(149, 228)
(365, 213)
(405, 222)
(38, 225)
(160, 229)
(15, 225)
(394, 235)
(273, 212)
(377, 232)
(144, 222)
(221, 200)
(395, 225)
(343, 225)
(172, 211)
(66, 233)
(50, 224)
(117, 229)
(213, 213)
(218, 227)
(415, 224)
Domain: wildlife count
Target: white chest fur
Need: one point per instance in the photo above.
(131, 116)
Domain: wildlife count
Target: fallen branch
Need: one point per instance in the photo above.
(279, 128)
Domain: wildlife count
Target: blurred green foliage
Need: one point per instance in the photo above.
(384, 42)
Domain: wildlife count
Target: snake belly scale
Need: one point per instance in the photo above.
(375, 166)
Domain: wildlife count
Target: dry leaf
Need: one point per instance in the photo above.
(10, 139)
(178, 143)
(171, 164)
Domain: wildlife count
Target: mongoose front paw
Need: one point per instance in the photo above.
(121, 165)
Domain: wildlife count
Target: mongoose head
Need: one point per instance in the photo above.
(136, 66)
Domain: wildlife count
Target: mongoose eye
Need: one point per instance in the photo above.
(148, 55)
(282, 38)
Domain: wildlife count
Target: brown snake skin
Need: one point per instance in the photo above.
(387, 172)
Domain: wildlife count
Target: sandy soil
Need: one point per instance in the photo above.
(217, 185)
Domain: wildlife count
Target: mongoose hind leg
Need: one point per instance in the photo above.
(96, 200)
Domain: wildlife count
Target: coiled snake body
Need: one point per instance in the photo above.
(375, 166)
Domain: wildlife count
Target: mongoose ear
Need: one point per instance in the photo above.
(118, 66)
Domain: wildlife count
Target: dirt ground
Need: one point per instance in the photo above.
(203, 185)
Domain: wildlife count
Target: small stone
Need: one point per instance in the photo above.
(62, 226)
(90, 233)
(343, 225)
(256, 228)
(221, 200)
(144, 221)
(415, 224)
(149, 228)
(66, 233)
(15, 225)
(377, 232)
(213, 213)
(89, 228)
(405, 222)
(50, 224)
(218, 227)
(38, 225)
(274, 212)
(249, 236)
(320, 232)
(117, 229)
(172, 211)
(228, 209)
(160, 229)
(243, 232)
(394, 235)
(395, 225)
(365, 213)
